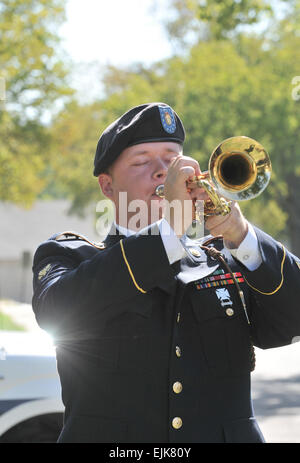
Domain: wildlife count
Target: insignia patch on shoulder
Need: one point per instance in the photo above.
(44, 271)
(167, 119)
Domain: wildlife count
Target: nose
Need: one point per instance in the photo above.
(161, 170)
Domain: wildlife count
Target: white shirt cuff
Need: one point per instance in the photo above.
(174, 249)
(248, 252)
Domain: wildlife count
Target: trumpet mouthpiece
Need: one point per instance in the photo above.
(159, 191)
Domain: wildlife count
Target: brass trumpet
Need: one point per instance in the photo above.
(239, 169)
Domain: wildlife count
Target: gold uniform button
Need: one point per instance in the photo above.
(177, 422)
(178, 351)
(178, 317)
(177, 387)
(229, 312)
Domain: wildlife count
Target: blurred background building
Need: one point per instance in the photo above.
(22, 230)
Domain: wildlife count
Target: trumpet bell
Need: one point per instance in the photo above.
(240, 168)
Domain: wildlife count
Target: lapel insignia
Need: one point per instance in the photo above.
(44, 271)
(195, 252)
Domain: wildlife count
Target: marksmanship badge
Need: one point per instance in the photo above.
(167, 119)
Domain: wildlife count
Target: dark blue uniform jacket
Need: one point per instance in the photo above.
(149, 352)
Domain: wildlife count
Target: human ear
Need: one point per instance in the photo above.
(105, 182)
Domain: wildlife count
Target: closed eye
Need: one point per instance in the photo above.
(140, 163)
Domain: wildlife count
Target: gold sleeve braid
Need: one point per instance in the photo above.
(281, 282)
(129, 269)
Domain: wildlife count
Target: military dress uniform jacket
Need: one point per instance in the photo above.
(149, 352)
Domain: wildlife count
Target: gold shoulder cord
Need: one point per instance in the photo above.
(280, 284)
(129, 269)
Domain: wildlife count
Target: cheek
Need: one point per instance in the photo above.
(139, 179)
(133, 186)
(136, 182)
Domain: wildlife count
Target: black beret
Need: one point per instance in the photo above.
(141, 124)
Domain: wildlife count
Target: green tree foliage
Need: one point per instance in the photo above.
(220, 89)
(233, 80)
(217, 19)
(34, 76)
(221, 92)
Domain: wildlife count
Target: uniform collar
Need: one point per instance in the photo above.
(114, 236)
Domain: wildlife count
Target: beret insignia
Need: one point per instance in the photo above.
(167, 119)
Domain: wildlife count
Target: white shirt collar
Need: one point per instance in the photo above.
(124, 231)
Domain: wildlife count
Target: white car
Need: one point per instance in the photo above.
(31, 409)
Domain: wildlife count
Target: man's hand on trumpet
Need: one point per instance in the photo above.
(181, 170)
(178, 186)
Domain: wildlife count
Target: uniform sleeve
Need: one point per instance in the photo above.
(248, 252)
(69, 293)
(275, 294)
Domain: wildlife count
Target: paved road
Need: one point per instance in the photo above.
(276, 393)
(275, 383)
